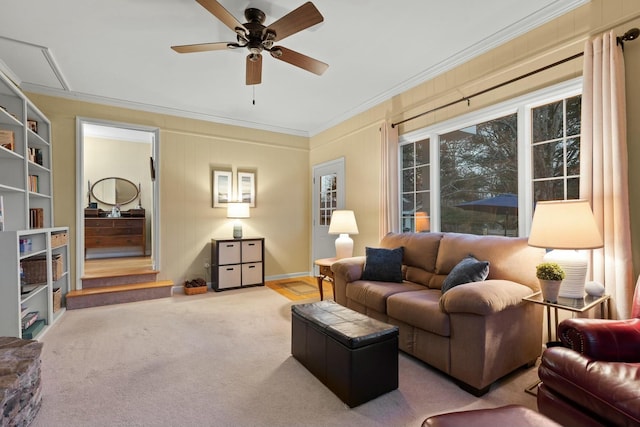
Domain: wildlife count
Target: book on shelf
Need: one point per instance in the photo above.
(24, 310)
(34, 183)
(29, 319)
(36, 218)
(35, 155)
(7, 139)
(33, 330)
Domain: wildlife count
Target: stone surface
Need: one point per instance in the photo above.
(20, 390)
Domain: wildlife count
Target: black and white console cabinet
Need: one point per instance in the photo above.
(237, 263)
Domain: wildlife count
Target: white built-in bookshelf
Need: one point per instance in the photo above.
(28, 240)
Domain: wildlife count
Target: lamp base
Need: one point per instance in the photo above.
(344, 246)
(574, 265)
(237, 231)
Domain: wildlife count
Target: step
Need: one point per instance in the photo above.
(120, 278)
(118, 294)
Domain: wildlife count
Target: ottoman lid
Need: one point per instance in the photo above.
(348, 327)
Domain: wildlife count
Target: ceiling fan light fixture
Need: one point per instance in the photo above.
(276, 53)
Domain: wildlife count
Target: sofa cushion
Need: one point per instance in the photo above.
(373, 295)
(511, 258)
(420, 309)
(420, 253)
(384, 265)
(466, 271)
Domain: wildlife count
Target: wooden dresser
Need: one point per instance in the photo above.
(106, 233)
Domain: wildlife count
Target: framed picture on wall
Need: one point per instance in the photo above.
(221, 188)
(247, 187)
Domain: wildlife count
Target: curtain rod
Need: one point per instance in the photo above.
(630, 35)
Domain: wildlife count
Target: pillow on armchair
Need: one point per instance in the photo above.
(466, 271)
(383, 265)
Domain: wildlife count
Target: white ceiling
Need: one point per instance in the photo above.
(118, 52)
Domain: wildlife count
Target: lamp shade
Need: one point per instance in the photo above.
(422, 222)
(564, 224)
(237, 210)
(343, 222)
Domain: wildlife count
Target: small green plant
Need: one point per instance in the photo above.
(549, 271)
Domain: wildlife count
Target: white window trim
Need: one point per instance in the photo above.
(521, 105)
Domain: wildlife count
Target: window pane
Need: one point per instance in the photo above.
(422, 152)
(408, 204)
(574, 110)
(407, 180)
(573, 156)
(423, 202)
(479, 163)
(548, 160)
(548, 190)
(573, 188)
(547, 122)
(407, 156)
(422, 178)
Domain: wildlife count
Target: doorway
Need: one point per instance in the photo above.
(116, 186)
(328, 195)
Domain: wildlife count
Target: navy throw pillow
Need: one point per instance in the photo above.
(383, 265)
(466, 271)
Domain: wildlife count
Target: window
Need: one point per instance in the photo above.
(483, 172)
(478, 168)
(328, 197)
(556, 150)
(415, 191)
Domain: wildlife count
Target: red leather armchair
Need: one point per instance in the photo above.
(594, 379)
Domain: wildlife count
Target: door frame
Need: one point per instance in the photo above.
(339, 165)
(81, 198)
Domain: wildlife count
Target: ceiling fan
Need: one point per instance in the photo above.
(254, 36)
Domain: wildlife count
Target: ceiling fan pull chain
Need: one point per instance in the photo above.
(254, 94)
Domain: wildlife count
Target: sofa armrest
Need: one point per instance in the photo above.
(346, 270)
(483, 298)
(600, 339)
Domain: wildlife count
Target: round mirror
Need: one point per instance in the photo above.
(114, 191)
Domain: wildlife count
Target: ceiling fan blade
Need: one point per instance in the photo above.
(202, 47)
(254, 69)
(297, 20)
(217, 10)
(299, 60)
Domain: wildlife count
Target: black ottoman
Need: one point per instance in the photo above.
(355, 356)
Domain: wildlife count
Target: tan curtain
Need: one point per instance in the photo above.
(603, 167)
(389, 218)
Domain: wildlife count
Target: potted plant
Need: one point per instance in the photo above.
(195, 286)
(550, 275)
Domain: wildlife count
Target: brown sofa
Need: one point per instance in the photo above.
(476, 332)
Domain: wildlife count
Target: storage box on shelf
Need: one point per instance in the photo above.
(35, 280)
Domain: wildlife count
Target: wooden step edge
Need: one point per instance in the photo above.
(119, 274)
(119, 288)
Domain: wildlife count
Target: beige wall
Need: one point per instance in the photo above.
(189, 150)
(357, 138)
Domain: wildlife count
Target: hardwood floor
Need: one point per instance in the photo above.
(116, 266)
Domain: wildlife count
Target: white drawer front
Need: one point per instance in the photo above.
(252, 251)
(251, 274)
(229, 253)
(229, 276)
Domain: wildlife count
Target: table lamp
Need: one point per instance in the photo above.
(566, 226)
(343, 223)
(237, 210)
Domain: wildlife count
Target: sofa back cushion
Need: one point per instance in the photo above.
(510, 258)
(420, 254)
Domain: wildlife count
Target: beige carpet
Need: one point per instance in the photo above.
(220, 359)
